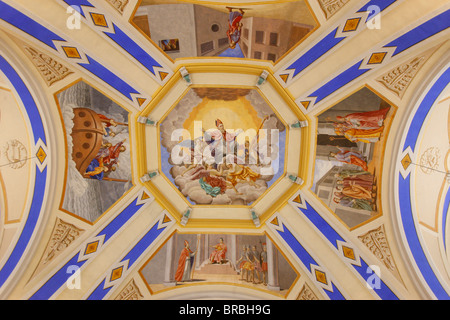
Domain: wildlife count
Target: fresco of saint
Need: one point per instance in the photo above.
(185, 264)
(219, 253)
(234, 26)
(232, 162)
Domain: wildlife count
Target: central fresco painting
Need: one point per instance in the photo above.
(222, 146)
(258, 31)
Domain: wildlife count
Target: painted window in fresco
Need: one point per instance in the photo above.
(255, 31)
(98, 151)
(350, 145)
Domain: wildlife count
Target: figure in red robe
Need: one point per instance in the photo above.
(350, 157)
(108, 122)
(234, 26)
(364, 120)
(110, 153)
(218, 255)
(185, 264)
(365, 181)
(105, 161)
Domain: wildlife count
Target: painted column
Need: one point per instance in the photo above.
(169, 275)
(206, 247)
(272, 265)
(199, 251)
(233, 249)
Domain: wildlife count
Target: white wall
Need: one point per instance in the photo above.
(173, 21)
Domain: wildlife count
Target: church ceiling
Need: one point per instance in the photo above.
(276, 149)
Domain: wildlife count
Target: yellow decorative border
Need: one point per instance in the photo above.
(223, 68)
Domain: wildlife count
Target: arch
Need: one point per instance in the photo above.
(423, 265)
(29, 95)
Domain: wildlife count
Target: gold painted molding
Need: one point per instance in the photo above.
(233, 68)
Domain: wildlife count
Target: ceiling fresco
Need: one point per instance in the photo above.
(350, 141)
(98, 151)
(241, 260)
(190, 149)
(230, 148)
(182, 29)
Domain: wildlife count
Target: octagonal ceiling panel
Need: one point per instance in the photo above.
(192, 29)
(222, 146)
(186, 119)
(98, 151)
